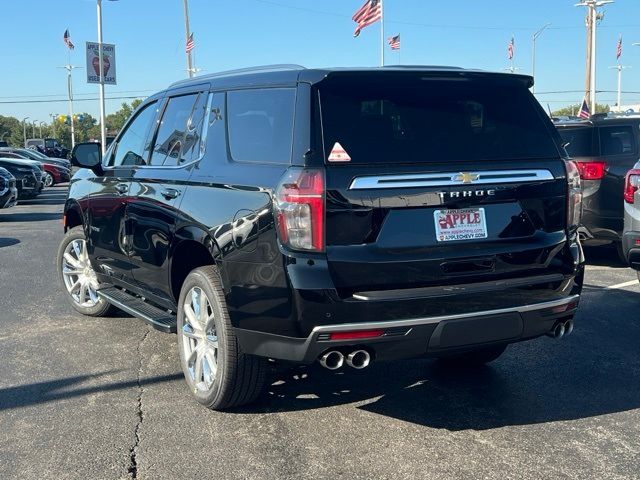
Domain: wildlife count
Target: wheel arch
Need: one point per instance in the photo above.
(193, 248)
(72, 216)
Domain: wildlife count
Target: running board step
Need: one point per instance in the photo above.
(154, 316)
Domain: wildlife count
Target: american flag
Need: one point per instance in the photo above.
(67, 40)
(584, 109)
(510, 49)
(369, 13)
(619, 48)
(394, 42)
(191, 44)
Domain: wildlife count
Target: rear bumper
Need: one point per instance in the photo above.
(417, 337)
(597, 229)
(631, 248)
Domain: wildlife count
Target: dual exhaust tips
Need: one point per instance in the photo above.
(561, 329)
(335, 359)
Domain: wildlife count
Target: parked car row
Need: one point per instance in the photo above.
(24, 173)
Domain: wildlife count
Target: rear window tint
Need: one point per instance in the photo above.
(260, 124)
(415, 120)
(579, 141)
(616, 140)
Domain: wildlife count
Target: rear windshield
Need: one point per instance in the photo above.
(579, 141)
(419, 120)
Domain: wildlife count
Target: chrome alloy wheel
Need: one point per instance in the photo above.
(47, 179)
(199, 339)
(79, 278)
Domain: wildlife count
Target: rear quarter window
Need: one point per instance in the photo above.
(260, 124)
(579, 141)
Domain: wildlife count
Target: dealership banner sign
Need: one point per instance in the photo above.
(108, 61)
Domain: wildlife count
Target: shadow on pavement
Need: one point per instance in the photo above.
(596, 371)
(29, 217)
(60, 389)
(7, 242)
(605, 256)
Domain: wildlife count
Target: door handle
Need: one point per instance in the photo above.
(122, 188)
(170, 193)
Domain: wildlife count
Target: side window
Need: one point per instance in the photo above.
(616, 140)
(260, 124)
(193, 139)
(171, 141)
(130, 148)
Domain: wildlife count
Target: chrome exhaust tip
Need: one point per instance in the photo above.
(332, 360)
(568, 327)
(359, 359)
(557, 332)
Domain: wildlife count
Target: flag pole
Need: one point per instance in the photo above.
(382, 32)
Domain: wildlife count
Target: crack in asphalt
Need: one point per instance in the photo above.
(133, 451)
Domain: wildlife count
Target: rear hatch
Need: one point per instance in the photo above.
(604, 153)
(435, 181)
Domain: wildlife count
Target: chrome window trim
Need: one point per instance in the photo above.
(447, 179)
(410, 322)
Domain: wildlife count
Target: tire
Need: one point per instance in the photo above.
(621, 253)
(87, 301)
(218, 374)
(479, 356)
(47, 180)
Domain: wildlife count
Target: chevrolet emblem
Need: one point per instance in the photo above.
(465, 177)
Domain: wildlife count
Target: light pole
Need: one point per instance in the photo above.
(33, 128)
(24, 129)
(619, 68)
(186, 26)
(53, 123)
(594, 16)
(103, 126)
(533, 53)
(41, 123)
(5, 133)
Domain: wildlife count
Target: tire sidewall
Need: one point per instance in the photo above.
(48, 176)
(198, 278)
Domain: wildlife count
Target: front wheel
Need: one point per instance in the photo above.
(479, 356)
(78, 277)
(47, 179)
(219, 375)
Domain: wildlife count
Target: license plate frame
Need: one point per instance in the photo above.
(450, 224)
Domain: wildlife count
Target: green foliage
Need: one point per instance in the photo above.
(116, 120)
(573, 110)
(11, 129)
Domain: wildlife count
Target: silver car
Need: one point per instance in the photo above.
(631, 233)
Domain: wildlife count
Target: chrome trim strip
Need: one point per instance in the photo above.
(449, 179)
(431, 320)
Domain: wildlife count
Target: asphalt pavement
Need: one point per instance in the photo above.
(87, 398)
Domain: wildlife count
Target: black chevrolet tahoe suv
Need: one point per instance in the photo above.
(339, 216)
(604, 148)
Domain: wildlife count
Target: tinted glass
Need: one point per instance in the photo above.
(131, 148)
(193, 145)
(616, 140)
(414, 120)
(260, 124)
(580, 141)
(171, 138)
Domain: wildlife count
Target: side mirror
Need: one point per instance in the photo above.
(88, 155)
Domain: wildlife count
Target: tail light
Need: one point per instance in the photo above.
(591, 170)
(574, 195)
(299, 205)
(631, 185)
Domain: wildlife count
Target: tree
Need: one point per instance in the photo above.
(11, 131)
(574, 110)
(115, 121)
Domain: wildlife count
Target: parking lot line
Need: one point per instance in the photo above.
(622, 285)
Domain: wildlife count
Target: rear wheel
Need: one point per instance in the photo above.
(219, 375)
(479, 356)
(621, 253)
(78, 277)
(47, 179)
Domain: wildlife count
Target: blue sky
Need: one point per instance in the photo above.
(149, 37)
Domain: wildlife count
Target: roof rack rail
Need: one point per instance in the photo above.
(280, 67)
